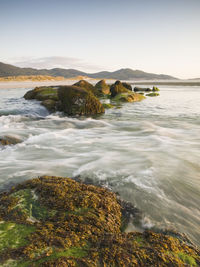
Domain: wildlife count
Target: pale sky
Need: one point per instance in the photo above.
(158, 36)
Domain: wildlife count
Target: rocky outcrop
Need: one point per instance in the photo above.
(9, 140)
(82, 98)
(78, 101)
(72, 100)
(103, 87)
(55, 221)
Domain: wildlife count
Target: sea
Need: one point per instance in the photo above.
(148, 152)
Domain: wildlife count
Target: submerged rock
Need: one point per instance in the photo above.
(9, 140)
(55, 221)
(78, 101)
(153, 94)
(103, 87)
(141, 89)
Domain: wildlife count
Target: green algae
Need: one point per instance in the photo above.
(153, 94)
(108, 106)
(128, 97)
(14, 235)
(187, 259)
(85, 230)
(30, 205)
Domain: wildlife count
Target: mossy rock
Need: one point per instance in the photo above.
(72, 100)
(87, 86)
(56, 221)
(78, 101)
(9, 140)
(43, 93)
(127, 86)
(118, 88)
(128, 97)
(153, 94)
(103, 87)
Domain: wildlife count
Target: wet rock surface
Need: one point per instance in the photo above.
(56, 221)
(9, 140)
(75, 100)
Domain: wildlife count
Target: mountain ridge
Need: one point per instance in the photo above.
(7, 70)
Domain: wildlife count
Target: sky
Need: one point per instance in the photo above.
(158, 36)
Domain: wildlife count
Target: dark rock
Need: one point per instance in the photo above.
(141, 89)
(127, 86)
(78, 101)
(128, 97)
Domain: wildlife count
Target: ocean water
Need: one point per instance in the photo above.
(148, 152)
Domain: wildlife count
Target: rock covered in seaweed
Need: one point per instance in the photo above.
(75, 100)
(9, 140)
(128, 97)
(43, 93)
(118, 88)
(103, 87)
(55, 221)
(87, 86)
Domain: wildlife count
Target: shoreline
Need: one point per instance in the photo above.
(30, 84)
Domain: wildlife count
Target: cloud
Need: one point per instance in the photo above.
(55, 62)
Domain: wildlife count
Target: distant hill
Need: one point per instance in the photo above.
(122, 74)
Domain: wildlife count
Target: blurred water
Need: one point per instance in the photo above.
(148, 151)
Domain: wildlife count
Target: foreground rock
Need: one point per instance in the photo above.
(75, 100)
(55, 221)
(9, 140)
